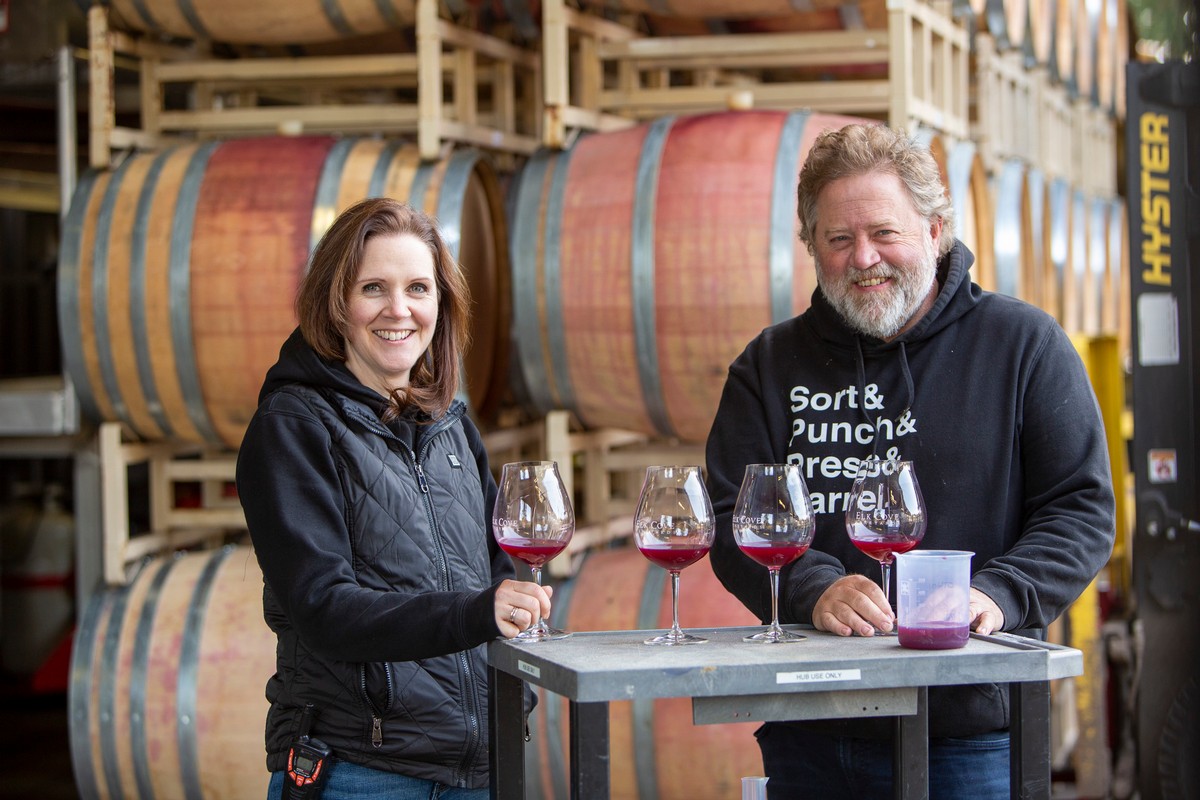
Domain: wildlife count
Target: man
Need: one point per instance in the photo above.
(900, 355)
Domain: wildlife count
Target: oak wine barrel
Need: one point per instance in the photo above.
(655, 750)
(291, 22)
(166, 694)
(645, 259)
(179, 270)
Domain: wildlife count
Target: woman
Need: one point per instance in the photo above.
(368, 497)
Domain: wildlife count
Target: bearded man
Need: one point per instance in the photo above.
(901, 356)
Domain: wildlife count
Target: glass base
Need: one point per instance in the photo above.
(774, 635)
(673, 637)
(544, 633)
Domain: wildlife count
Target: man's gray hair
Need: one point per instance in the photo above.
(862, 148)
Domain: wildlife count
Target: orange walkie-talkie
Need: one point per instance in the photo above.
(308, 764)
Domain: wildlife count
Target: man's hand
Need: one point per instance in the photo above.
(853, 604)
(986, 616)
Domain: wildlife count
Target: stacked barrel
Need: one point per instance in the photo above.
(616, 271)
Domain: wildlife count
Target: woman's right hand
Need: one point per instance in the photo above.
(518, 604)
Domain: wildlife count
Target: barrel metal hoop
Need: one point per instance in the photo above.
(387, 10)
(189, 661)
(1008, 242)
(108, 691)
(1059, 210)
(523, 254)
(325, 202)
(1079, 249)
(180, 283)
(783, 214)
(562, 389)
(377, 185)
(79, 699)
(188, 9)
(644, 746)
(645, 324)
(453, 194)
(69, 271)
(144, 12)
(333, 13)
(100, 293)
(137, 291)
(419, 187)
(1097, 259)
(139, 671)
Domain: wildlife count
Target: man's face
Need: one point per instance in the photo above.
(876, 257)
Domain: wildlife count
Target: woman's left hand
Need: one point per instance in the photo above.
(518, 604)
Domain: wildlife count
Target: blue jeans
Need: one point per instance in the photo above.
(803, 764)
(353, 782)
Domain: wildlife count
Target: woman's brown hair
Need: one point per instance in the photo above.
(322, 302)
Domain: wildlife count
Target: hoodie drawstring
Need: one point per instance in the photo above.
(862, 389)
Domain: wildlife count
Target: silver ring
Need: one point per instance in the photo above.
(512, 616)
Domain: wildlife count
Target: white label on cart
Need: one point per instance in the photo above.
(819, 676)
(529, 669)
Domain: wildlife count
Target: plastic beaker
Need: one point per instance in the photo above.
(754, 788)
(933, 611)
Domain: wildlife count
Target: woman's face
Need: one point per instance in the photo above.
(393, 309)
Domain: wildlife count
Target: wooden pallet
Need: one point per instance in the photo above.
(171, 526)
(601, 75)
(460, 86)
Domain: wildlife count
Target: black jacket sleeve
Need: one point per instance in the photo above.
(289, 485)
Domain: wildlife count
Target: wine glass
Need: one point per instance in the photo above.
(673, 528)
(773, 524)
(886, 513)
(533, 521)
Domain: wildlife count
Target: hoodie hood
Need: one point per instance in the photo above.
(299, 364)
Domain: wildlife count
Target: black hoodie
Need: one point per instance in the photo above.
(987, 395)
(380, 571)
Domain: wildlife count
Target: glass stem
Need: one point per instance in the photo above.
(675, 600)
(537, 578)
(887, 580)
(774, 596)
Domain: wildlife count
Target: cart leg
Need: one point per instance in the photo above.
(506, 742)
(1029, 740)
(589, 751)
(910, 759)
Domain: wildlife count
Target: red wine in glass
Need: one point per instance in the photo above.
(773, 524)
(533, 552)
(673, 527)
(886, 514)
(880, 549)
(670, 557)
(533, 521)
(774, 555)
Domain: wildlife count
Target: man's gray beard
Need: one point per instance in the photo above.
(882, 316)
